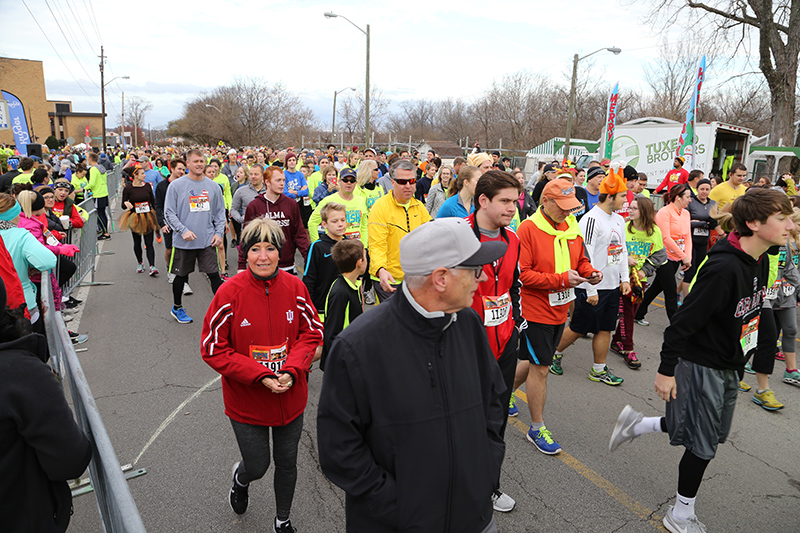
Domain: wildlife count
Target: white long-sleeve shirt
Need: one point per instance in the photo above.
(604, 238)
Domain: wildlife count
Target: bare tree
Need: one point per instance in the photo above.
(136, 110)
(671, 79)
(777, 25)
(351, 112)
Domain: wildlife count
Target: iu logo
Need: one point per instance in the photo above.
(290, 316)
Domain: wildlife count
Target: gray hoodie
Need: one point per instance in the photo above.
(241, 199)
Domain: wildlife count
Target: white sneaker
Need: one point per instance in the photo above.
(690, 525)
(170, 277)
(187, 289)
(623, 429)
(502, 502)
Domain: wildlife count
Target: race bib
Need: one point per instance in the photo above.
(496, 309)
(142, 207)
(749, 338)
(272, 357)
(700, 232)
(614, 254)
(353, 234)
(50, 239)
(788, 288)
(562, 297)
(198, 204)
(681, 244)
(306, 200)
(772, 292)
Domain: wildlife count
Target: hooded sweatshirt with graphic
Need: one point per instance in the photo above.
(717, 325)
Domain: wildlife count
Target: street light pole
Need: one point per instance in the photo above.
(103, 85)
(333, 120)
(571, 111)
(366, 96)
(215, 107)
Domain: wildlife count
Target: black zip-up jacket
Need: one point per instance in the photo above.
(320, 270)
(161, 197)
(408, 421)
(342, 306)
(726, 296)
(41, 446)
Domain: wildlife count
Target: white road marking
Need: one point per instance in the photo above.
(172, 416)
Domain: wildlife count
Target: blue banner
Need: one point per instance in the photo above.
(18, 122)
(686, 140)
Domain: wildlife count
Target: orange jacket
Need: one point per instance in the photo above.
(537, 272)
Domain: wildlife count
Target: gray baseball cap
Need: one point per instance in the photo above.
(446, 242)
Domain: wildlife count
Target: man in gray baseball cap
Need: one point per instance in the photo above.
(412, 415)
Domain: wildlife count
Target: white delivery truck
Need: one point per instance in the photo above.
(650, 144)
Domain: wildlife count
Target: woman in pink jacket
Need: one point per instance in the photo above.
(674, 221)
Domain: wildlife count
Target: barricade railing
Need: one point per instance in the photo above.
(85, 239)
(115, 503)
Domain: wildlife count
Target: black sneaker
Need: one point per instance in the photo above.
(285, 528)
(239, 498)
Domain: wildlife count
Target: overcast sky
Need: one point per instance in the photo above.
(174, 50)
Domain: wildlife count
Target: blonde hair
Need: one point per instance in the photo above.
(25, 199)
(793, 233)
(364, 173)
(330, 206)
(262, 230)
(465, 173)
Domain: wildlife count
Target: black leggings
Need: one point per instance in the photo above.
(66, 269)
(664, 281)
(690, 474)
(101, 204)
(148, 242)
(180, 281)
(254, 446)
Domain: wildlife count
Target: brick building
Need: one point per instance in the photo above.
(24, 78)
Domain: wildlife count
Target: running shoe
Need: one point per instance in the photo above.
(513, 410)
(744, 387)
(187, 289)
(617, 348)
(502, 502)
(180, 315)
(153, 271)
(641, 322)
(792, 378)
(224, 276)
(690, 525)
(555, 368)
(780, 356)
(632, 361)
(543, 440)
(623, 429)
(369, 297)
(239, 497)
(767, 400)
(140, 268)
(159, 238)
(749, 369)
(605, 376)
(77, 338)
(286, 527)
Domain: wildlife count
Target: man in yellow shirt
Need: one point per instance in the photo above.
(392, 217)
(727, 191)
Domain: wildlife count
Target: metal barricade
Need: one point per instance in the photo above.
(115, 503)
(85, 239)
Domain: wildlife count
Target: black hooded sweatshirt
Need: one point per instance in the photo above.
(711, 326)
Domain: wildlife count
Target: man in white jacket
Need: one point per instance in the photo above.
(597, 306)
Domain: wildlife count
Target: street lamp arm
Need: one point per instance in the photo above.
(215, 107)
(106, 84)
(613, 50)
(334, 15)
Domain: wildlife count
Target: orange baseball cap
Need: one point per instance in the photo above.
(562, 193)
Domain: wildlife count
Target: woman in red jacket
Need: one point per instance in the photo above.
(261, 332)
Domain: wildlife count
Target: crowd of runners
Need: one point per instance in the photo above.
(448, 284)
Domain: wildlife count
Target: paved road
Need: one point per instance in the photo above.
(142, 365)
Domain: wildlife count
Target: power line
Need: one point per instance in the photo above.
(94, 21)
(59, 55)
(85, 36)
(80, 63)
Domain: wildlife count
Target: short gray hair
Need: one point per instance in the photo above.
(416, 282)
(402, 164)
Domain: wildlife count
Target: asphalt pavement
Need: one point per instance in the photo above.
(162, 407)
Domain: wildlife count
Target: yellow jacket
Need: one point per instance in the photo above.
(389, 222)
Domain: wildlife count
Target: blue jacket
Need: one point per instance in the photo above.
(296, 181)
(452, 207)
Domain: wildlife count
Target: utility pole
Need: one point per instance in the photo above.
(103, 98)
(366, 107)
(123, 120)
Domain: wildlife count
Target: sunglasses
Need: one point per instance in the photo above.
(477, 270)
(406, 182)
(347, 180)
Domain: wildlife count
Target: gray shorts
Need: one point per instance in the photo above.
(182, 261)
(700, 417)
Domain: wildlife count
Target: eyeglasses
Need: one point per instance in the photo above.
(347, 180)
(405, 182)
(477, 270)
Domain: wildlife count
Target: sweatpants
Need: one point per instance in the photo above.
(101, 204)
(767, 347)
(254, 446)
(624, 332)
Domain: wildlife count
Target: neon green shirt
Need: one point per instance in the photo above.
(356, 214)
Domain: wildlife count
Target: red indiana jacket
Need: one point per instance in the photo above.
(258, 328)
(497, 300)
(285, 212)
